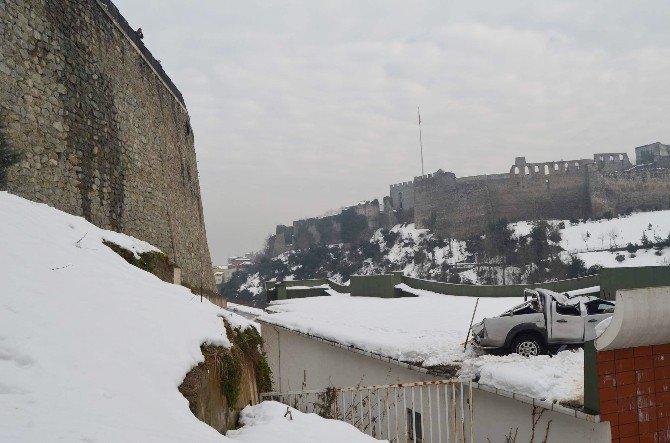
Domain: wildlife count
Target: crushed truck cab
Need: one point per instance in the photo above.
(544, 319)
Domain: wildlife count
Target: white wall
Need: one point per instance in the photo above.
(302, 363)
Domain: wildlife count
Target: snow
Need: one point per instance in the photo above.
(410, 240)
(238, 321)
(556, 378)
(289, 288)
(245, 309)
(267, 423)
(429, 329)
(600, 327)
(94, 349)
(643, 257)
(604, 234)
(253, 285)
(583, 291)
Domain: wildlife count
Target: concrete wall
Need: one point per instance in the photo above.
(303, 363)
(103, 131)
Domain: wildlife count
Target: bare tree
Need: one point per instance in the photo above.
(585, 238)
(613, 235)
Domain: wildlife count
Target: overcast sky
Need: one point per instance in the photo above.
(299, 107)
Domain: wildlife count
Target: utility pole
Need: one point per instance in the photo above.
(418, 111)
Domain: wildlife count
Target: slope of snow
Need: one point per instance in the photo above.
(411, 240)
(617, 232)
(642, 257)
(92, 348)
(267, 423)
(429, 329)
(605, 234)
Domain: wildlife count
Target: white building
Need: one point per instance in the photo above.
(342, 341)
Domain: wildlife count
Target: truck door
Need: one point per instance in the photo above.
(567, 324)
(596, 311)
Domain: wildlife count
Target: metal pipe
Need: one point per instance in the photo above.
(446, 410)
(422, 414)
(439, 414)
(388, 416)
(413, 417)
(472, 415)
(453, 409)
(370, 413)
(404, 409)
(379, 415)
(395, 404)
(430, 414)
(462, 416)
(360, 393)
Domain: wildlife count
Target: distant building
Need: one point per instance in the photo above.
(223, 273)
(656, 153)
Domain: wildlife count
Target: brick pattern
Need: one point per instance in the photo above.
(634, 386)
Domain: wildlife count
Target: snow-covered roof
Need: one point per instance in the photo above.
(428, 331)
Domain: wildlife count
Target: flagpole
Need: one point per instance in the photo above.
(418, 111)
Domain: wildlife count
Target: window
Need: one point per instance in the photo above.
(414, 424)
(599, 307)
(567, 310)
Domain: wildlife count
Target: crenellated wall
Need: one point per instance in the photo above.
(572, 189)
(103, 131)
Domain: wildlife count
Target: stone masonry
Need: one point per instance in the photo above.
(104, 132)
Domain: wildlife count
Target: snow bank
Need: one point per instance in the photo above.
(92, 348)
(600, 234)
(245, 309)
(556, 378)
(429, 329)
(266, 423)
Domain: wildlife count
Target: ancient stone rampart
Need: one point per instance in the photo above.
(103, 130)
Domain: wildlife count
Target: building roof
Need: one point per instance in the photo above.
(427, 333)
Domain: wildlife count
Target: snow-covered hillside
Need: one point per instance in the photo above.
(600, 242)
(92, 348)
(639, 239)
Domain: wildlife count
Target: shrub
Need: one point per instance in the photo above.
(620, 258)
(631, 247)
(576, 267)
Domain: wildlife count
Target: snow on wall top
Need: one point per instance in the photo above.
(428, 330)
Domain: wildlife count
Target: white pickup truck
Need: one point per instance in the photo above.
(545, 319)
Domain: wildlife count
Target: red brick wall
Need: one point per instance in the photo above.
(634, 386)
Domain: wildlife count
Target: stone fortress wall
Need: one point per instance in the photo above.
(104, 132)
(574, 189)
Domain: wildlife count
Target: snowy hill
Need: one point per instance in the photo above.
(515, 253)
(92, 348)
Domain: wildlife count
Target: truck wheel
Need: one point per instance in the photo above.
(527, 345)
